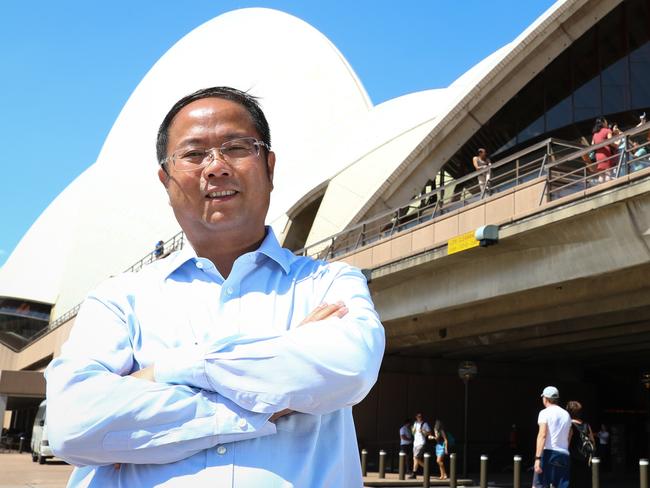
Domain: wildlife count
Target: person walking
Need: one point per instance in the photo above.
(406, 440)
(581, 447)
(421, 431)
(442, 447)
(603, 446)
(552, 446)
(481, 162)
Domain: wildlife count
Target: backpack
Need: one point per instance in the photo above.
(586, 447)
(451, 441)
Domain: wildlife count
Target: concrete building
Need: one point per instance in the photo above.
(562, 298)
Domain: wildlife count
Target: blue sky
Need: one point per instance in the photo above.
(69, 66)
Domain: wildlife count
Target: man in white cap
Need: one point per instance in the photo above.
(552, 448)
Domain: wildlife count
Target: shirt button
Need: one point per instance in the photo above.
(229, 290)
(199, 265)
(243, 424)
(221, 450)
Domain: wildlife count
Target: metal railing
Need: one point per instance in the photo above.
(169, 246)
(567, 166)
(519, 168)
(619, 156)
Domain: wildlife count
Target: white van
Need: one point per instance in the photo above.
(40, 445)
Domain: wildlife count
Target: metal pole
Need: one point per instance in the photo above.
(425, 470)
(643, 473)
(465, 432)
(382, 463)
(595, 475)
(516, 472)
(364, 462)
(452, 470)
(402, 465)
(484, 461)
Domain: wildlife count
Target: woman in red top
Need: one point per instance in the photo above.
(600, 133)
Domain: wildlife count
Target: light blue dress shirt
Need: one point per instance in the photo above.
(227, 354)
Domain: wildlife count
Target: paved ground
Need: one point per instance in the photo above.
(18, 471)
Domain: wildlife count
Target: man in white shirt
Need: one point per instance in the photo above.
(229, 363)
(552, 447)
(406, 439)
(421, 431)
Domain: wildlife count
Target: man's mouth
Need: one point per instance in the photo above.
(221, 194)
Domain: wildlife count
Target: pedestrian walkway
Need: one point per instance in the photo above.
(392, 480)
(18, 471)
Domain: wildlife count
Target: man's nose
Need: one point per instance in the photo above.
(217, 165)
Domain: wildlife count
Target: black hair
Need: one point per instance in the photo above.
(599, 124)
(249, 102)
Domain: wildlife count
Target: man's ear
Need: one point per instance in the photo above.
(163, 176)
(270, 166)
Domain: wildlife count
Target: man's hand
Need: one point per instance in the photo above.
(325, 311)
(279, 414)
(538, 466)
(144, 374)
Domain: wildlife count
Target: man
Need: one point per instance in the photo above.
(421, 431)
(406, 440)
(552, 447)
(231, 362)
(481, 162)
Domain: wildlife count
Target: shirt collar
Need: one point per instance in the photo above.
(270, 248)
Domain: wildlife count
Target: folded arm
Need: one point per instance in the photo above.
(317, 368)
(97, 414)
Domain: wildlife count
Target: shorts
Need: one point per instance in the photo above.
(440, 450)
(418, 451)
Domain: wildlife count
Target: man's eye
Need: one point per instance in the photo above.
(194, 155)
(237, 150)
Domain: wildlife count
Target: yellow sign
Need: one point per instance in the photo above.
(462, 243)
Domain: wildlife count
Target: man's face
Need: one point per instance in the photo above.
(196, 196)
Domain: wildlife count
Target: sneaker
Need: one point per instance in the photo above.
(411, 476)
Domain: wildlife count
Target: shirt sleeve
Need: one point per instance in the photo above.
(96, 414)
(315, 368)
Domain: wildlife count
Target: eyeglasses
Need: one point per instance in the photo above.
(232, 152)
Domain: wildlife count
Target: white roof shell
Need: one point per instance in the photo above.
(116, 210)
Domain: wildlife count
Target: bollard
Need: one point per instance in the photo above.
(484, 461)
(402, 465)
(21, 444)
(452, 470)
(364, 462)
(595, 475)
(516, 472)
(425, 470)
(382, 464)
(643, 473)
